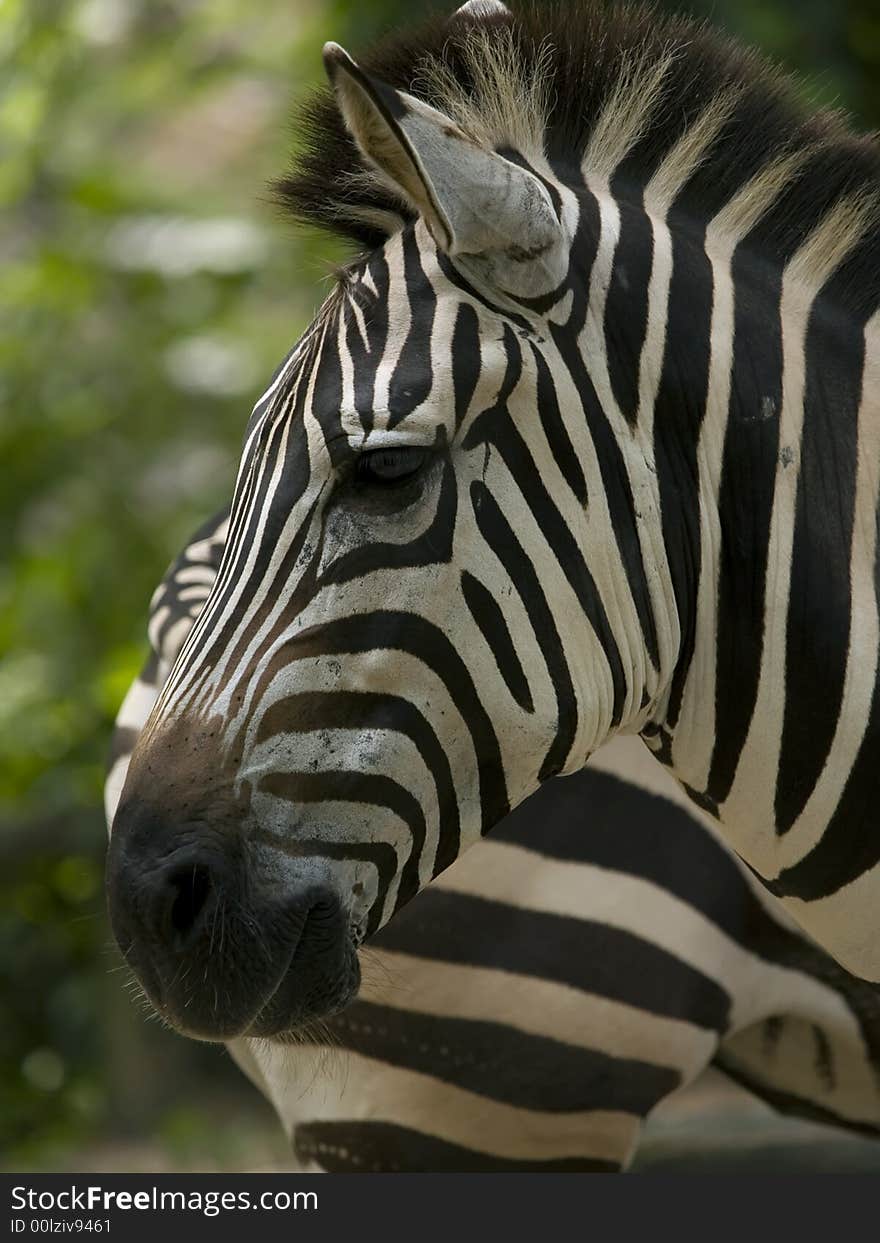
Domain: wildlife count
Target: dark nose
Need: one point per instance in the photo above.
(167, 904)
(219, 949)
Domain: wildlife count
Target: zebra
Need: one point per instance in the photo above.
(551, 465)
(531, 1007)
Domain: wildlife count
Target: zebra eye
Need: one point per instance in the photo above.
(390, 466)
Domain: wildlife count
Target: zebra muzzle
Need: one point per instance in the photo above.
(221, 948)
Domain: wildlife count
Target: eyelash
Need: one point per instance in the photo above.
(390, 466)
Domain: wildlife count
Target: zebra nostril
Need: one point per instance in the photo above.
(191, 888)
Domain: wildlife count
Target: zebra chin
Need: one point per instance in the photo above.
(223, 943)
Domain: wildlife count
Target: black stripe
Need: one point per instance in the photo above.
(823, 1061)
(850, 844)
(555, 430)
(255, 617)
(615, 480)
(593, 957)
(497, 428)
(819, 603)
(366, 355)
(628, 830)
(408, 632)
(456, 278)
(354, 1147)
(631, 831)
(489, 618)
(326, 399)
(269, 657)
(373, 789)
(745, 506)
(466, 359)
(502, 1062)
(498, 534)
(249, 509)
(626, 306)
(678, 418)
(241, 520)
(311, 710)
(787, 1102)
(381, 855)
(412, 379)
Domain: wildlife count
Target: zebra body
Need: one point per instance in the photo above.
(528, 1011)
(531, 1007)
(584, 446)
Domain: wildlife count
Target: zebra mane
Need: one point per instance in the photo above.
(619, 92)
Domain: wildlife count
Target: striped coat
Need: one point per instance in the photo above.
(584, 442)
(531, 1007)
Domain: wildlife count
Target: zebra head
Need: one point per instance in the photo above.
(406, 635)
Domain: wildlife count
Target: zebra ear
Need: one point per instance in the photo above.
(474, 201)
(482, 8)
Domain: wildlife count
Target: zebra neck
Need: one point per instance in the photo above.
(773, 713)
(627, 372)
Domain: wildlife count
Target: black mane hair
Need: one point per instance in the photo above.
(585, 48)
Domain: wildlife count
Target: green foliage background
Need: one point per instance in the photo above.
(147, 289)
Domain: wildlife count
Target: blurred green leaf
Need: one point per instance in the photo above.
(147, 292)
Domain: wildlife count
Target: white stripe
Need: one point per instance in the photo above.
(366, 1089)
(538, 1007)
(749, 810)
(695, 731)
(585, 891)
